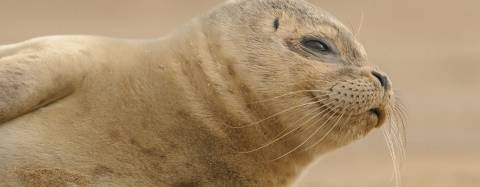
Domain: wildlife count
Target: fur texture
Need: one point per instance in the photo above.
(199, 107)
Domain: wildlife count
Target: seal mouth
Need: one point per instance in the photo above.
(376, 115)
(379, 114)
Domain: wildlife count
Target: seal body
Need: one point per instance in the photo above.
(238, 97)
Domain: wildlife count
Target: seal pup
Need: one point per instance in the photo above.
(246, 95)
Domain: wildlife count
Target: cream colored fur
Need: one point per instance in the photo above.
(96, 111)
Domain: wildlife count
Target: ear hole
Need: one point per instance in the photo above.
(276, 24)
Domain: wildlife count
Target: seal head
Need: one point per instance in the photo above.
(300, 60)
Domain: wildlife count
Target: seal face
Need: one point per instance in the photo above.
(302, 59)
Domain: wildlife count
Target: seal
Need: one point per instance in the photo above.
(246, 95)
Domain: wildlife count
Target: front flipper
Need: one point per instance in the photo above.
(33, 75)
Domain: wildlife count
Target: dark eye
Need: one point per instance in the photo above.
(316, 45)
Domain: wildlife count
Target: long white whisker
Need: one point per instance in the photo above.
(328, 133)
(360, 25)
(396, 135)
(304, 142)
(393, 154)
(282, 134)
(276, 114)
(288, 94)
(400, 132)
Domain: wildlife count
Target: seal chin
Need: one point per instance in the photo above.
(376, 117)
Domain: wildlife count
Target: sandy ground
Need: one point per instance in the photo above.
(430, 48)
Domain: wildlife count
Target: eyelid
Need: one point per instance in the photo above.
(330, 45)
(316, 45)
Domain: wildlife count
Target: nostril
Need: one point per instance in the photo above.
(382, 78)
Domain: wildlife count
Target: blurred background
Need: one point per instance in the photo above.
(430, 48)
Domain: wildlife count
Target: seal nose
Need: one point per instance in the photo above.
(382, 79)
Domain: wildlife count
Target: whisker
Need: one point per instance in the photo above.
(397, 145)
(400, 143)
(392, 151)
(328, 81)
(283, 134)
(394, 143)
(324, 81)
(288, 94)
(304, 142)
(395, 137)
(360, 25)
(399, 117)
(276, 114)
(328, 133)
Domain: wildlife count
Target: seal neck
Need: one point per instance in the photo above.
(215, 90)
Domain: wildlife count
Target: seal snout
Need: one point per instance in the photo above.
(365, 96)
